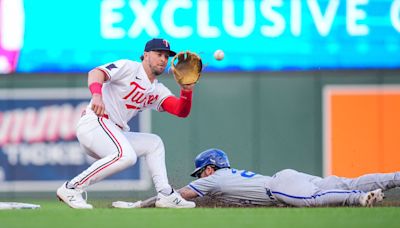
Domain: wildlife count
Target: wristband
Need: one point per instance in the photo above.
(186, 94)
(95, 87)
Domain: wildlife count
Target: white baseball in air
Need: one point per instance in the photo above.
(219, 54)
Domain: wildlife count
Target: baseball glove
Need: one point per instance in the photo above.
(187, 70)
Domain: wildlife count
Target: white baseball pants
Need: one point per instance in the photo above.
(117, 150)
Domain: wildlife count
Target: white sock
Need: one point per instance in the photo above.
(167, 191)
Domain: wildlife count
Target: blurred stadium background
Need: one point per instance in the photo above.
(312, 85)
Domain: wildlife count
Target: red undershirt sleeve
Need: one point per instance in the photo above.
(179, 106)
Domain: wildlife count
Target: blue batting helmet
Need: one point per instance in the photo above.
(215, 157)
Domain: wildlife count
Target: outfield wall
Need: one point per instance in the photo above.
(264, 121)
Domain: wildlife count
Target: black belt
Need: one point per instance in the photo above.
(104, 116)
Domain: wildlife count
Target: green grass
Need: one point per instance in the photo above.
(57, 215)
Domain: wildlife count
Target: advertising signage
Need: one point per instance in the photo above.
(38, 146)
(75, 36)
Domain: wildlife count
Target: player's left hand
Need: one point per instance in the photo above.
(186, 67)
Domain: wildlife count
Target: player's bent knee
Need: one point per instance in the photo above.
(129, 159)
(132, 159)
(157, 142)
(157, 139)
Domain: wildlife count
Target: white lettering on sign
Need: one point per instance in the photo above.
(167, 19)
(144, 18)
(49, 123)
(395, 15)
(204, 29)
(39, 154)
(277, 20)
(12, 24)
(248, 21)
(323, 22)
(269, 18)
(109, 18)
(354, 15)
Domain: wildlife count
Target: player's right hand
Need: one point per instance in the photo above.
(98, 106)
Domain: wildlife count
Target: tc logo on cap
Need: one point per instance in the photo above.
(166, 43)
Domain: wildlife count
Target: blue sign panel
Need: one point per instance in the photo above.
(38, 146)
(75, 36)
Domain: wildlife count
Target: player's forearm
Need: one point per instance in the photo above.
(149, 202)
(96, 78)
(187, 193)
(96, 75)
(179, 106)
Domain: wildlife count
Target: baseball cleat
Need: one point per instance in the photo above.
(72, 197)
(372, 197)
(174, 200)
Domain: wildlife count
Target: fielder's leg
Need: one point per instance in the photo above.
(108, 142)
(152, 148)
(103, 138)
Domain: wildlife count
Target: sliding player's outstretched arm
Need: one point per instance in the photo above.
(185, 192)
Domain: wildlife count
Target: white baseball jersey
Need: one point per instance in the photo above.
(128, 91)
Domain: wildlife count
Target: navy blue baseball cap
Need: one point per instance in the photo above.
(158, 44)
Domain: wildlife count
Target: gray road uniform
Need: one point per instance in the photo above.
(289, 187)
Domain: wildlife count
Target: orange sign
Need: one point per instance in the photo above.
(361, 130)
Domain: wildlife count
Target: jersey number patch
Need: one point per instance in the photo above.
(245, 173)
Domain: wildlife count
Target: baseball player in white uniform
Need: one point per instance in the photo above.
(120, 90)
(286, 188)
